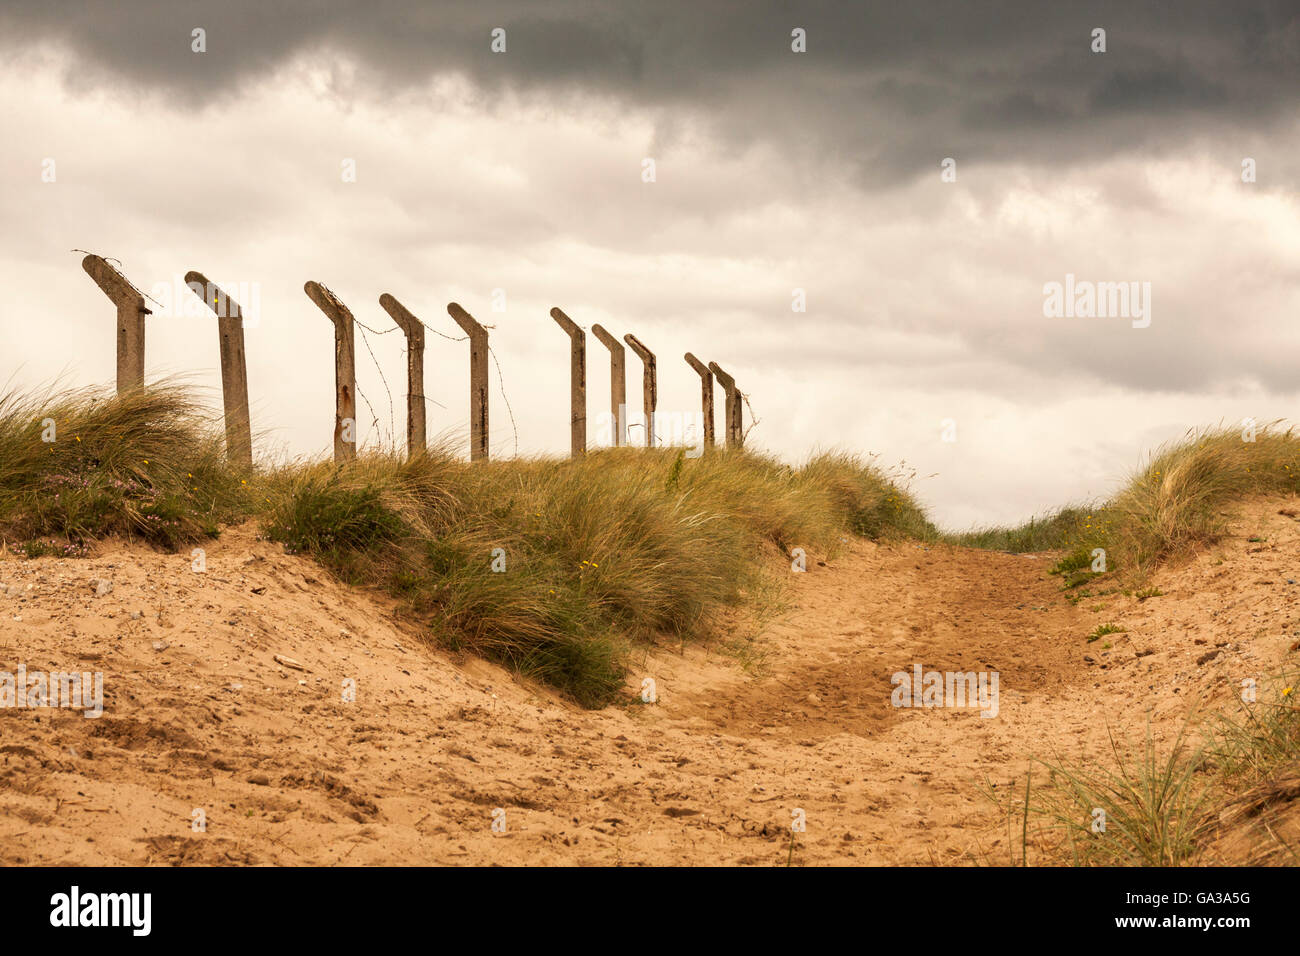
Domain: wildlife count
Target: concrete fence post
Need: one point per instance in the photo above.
(577, 383)
(706, 396)
(234, 367)
(649, 388)
(130, 320)
(413, 328)
(478, 381)
(617, 382)
(345, 370)
(734, 430)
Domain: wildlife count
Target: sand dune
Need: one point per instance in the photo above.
(200, 715)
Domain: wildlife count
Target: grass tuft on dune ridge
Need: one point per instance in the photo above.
(1170, 507)
(78, 465)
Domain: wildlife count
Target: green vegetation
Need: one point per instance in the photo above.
(1104, 629)
(148, 465)
(1223, 791)
(1149, 808)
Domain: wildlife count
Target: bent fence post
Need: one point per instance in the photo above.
(706, 396)
(234, 367)
(345, 370)
(478, 381)
(577, 383)
(130, 320)
(735, 434)
(649, 390)
(414, 331)
(617, 383)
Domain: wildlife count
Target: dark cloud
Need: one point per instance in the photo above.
(890, 87)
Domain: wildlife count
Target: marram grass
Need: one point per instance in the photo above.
(1171, 506)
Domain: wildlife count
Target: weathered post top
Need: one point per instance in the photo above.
(611, 343)
(696, 364)
(234, 368)
(213, 296)
(403, 316)
(727, 381)
(466, 321)
(636, 345)
(566, 323)
(113, 284)
(327, 301)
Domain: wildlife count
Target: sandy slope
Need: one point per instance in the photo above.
(200, 715)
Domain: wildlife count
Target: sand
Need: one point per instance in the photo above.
(202, 722)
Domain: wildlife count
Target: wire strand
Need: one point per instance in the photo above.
(501, 384)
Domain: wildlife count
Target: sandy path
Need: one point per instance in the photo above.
(199, 716)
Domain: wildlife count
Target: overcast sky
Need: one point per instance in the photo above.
(775, 170)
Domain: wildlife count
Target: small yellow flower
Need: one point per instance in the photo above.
(146, 461)
(1287, 692)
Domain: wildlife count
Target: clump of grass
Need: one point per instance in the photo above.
(1104, 629)
(1070, 528)
(1231, 798)
(1263, 736)
(858, 496)
(80, 465)
(1171, 506)
(1174, 505)
(1156, 807)
(1257, 750)
(1080, 565)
